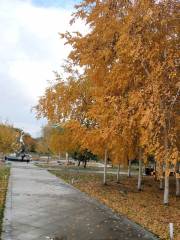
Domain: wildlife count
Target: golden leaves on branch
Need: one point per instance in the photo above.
(126, 95)
(9, 138)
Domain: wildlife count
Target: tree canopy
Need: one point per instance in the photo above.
(122, 87)
(9, 137)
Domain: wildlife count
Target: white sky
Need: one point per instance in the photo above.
(30, 49)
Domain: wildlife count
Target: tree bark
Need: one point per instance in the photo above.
(161, 184)
(177, 180)
(166, 179)
(166, 189)
(140, 171)
(118, 172)
(155, 171)
(129, 168)
(161, 187)
(105, 167)
(177, 187)
(85, 163)
(67, 157)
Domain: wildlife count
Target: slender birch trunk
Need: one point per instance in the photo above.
(177, 187)
(118, 173)
(140, 171)
(129, 168)
(177, 181)
(161, 184)
(67, 157)
(155, 171)
(59, 156)
(105, 167)
(166, 179)
(166, 187)
(48, 158)
(161, 187)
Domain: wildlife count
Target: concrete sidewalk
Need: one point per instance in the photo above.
(40, 206)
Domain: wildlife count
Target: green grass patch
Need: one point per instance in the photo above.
(88, 169)
(76, 177)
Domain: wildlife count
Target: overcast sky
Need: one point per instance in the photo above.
(30, 49)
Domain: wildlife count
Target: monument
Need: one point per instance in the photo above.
(21, 155)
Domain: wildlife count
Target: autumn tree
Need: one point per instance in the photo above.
(29, 142)
(41, 148)
(131, 56)
(61, 141)
(121, 94)
(149, 42)
(9, 137)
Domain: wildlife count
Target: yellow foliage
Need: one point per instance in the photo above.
(125, 96)
(8, 138)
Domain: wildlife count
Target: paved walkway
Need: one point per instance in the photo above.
(40, 206)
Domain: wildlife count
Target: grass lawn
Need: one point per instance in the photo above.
(134, 168)
(145, 207)
(4, 175)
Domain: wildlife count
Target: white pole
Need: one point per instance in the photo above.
(171, 231)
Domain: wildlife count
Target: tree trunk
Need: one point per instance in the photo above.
(177, 180)
(105, 167)
(118, 172)
(166, 180)
(161, 183)
(177, 186)
(140, 172)
(129, 168)
(59, 156)
(2, 157)
(166, 189)
(161, 187)
(85, 163)
(67, 158)
(155, 171)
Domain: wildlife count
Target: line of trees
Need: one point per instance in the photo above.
(120, 97)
